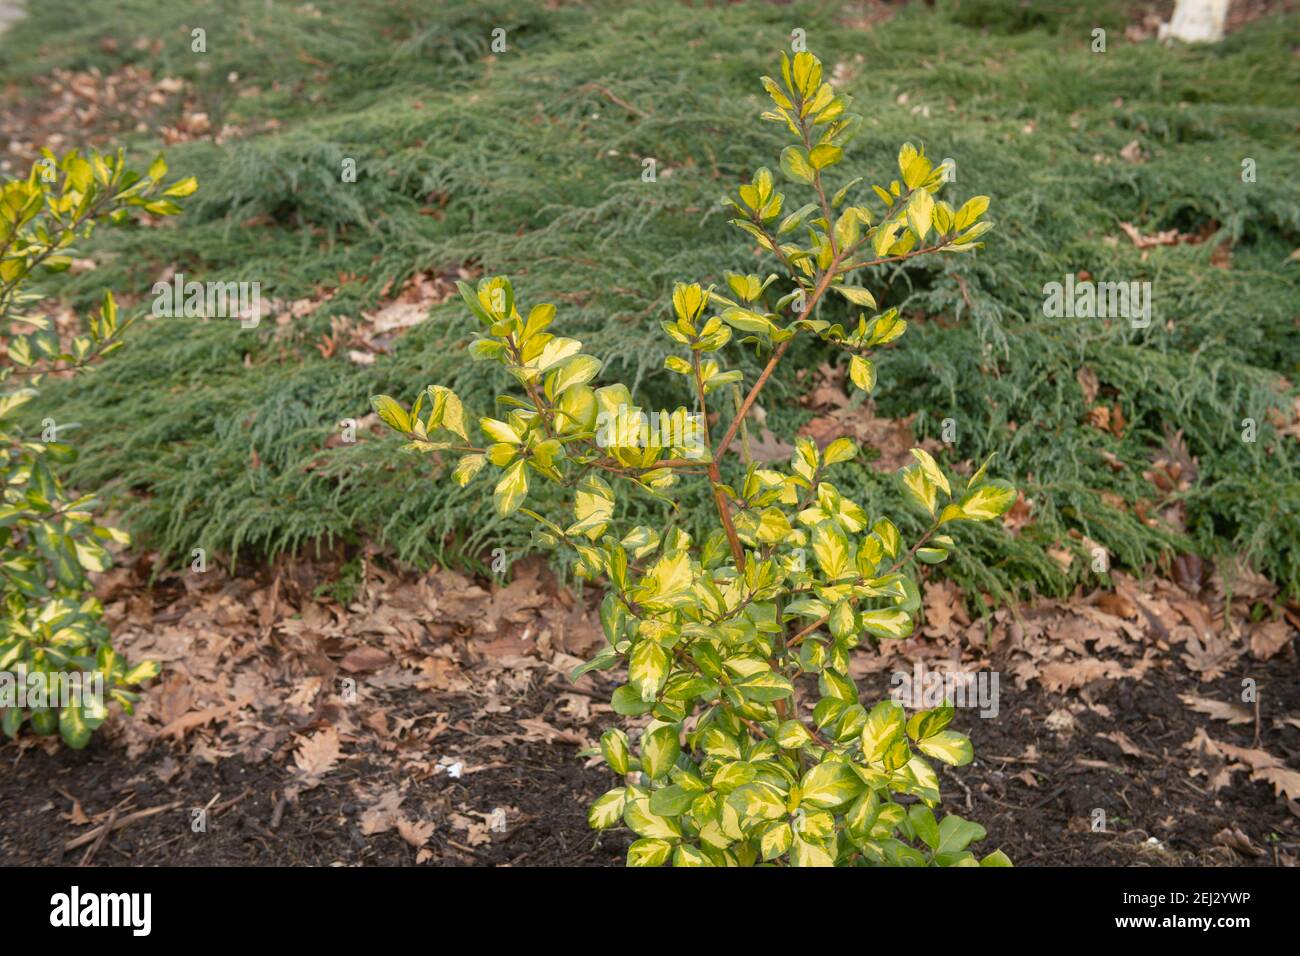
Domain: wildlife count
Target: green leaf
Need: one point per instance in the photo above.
(776, 840)
(932, 469)
(607, 810)
(970, 211)
(856, 295)
(757, 801)
(803, 853)
(499, 431)
(888, 623)
(647, 669)
(73, 727)
(920, 488)
(991, 500)
(920, 210)
(626, 700)
(511, 490)
(614, 747)
(841, 449)
(649, 852)
(922, 820)
(831, 549)
(955, 834)
(927, 723)
(659, 750)
(862, 372)
(824, 155)
(672, 801)
(792, 735)
(949, 746)
(829, 785)
(467, 468)
(765, 686)
(689, 856)
(795, 165)
(884, 726)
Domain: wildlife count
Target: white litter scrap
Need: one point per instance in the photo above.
(1196, 21)
(451, 767)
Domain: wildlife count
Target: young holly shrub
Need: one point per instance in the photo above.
(58, 669)
(724, 638)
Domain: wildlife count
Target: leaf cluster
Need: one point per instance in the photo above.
(722, 637)
(51, 539)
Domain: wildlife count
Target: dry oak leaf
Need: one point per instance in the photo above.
(318, 754)
(1122, 741)
(1132, 152)
(197, 718)
(942, 604)
(365, 658)
(1262, 764)
(1087, 380)
(537, 727)
(1209, 656)
(476, 831)
(1284, 780)
(1234, 839)
(1060, 676)
(416, 834)
(1218, 709)
(1062, 556)
(1267, 639)
(383, 814)
(1165, 237)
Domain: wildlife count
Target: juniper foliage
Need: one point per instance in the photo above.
(530, 164)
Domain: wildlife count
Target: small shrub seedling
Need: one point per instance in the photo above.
(58, 669)
(721, 636)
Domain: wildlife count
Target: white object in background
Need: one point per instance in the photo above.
(9, 12)
(1197, 21)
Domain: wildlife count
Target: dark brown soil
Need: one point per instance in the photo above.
(1157, 812)
(546, 783)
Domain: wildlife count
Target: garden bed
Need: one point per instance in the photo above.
(462, 746)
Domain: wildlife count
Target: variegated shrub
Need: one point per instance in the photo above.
(52, 635)
(724, 639)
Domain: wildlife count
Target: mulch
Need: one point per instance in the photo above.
(459, 742)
